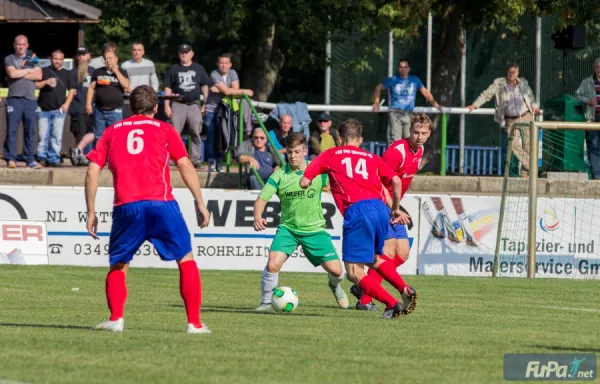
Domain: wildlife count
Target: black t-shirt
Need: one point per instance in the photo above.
(109, 93)
(78, 103)
(187, 81)
(51, 99)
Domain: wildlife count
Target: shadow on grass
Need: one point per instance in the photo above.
(250, 311)
(56, 326)
(566, 349)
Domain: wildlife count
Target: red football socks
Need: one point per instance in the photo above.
(387, 269)
(191, 291)
(373, 288)
(366, 299)
(116, 293)
(398, 260)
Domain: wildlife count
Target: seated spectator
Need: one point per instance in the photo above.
(324, 137)
(279, 135)
(256, 153)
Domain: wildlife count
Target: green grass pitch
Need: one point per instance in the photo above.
(458, 334)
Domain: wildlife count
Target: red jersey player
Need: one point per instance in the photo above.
(404, 157)
(356, 179)
(137, 151)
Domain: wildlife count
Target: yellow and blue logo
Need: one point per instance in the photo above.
(549, 221)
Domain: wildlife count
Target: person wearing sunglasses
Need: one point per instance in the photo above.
(256, 153)
(324, 137)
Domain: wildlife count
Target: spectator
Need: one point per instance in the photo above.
(258, 155)
(402, 94)
(188, 79)
(54, 105)
(141, 71)
(589, 93)
(278, 135)
(109, 84)
(82, 125)
(98, 62)
(515, 103)
(21, 103)
(230, 83)
(324, 137)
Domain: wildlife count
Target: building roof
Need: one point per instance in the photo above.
(77, 7)
(48, 10)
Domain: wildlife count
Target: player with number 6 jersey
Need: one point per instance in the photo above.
(137, 151)
(356, 178)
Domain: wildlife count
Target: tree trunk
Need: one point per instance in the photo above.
(446, 71)
(261, 65)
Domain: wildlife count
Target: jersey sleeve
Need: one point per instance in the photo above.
(99, 155)
(175, 145)
(317, 166)
(387, 82)
(418, 83)
(393, 158)
(271, 186)
(325, 179)
(386, 174)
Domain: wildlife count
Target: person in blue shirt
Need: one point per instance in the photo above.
(402, 95)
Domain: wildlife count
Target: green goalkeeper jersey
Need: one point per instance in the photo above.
(301, 209)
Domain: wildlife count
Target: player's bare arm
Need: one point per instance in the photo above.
(260, 223)
(89, 97)
(91, 187)
(190, 178)
(376, 95)
(397, 194)
(305, 182)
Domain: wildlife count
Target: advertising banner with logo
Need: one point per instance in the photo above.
(458, 237)
(23, 242)
(228, 243)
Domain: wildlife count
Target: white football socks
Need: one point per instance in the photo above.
(268, 283)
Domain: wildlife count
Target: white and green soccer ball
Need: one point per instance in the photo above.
(284, 299)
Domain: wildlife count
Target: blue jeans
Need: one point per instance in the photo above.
(17, 109)
(50, 128)
(105, 118)
(592, 142)
(210, 120)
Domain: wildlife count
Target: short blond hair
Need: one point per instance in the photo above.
(350, 129)
(420, 119)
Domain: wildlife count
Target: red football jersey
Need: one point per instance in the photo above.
(138, 150)
(404, 161)
(354, 174)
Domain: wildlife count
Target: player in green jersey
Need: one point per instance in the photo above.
(302, 223)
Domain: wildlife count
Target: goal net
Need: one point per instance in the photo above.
(565, 229)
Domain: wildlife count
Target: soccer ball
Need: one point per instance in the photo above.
(284, 299)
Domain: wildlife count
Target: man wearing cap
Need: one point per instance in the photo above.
(82, 125)
(189, 80)
(324, 137)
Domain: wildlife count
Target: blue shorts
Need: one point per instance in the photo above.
(366, 227)
(159, 222)
(399, 232)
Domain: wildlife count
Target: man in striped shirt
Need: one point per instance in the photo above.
(141, 71)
